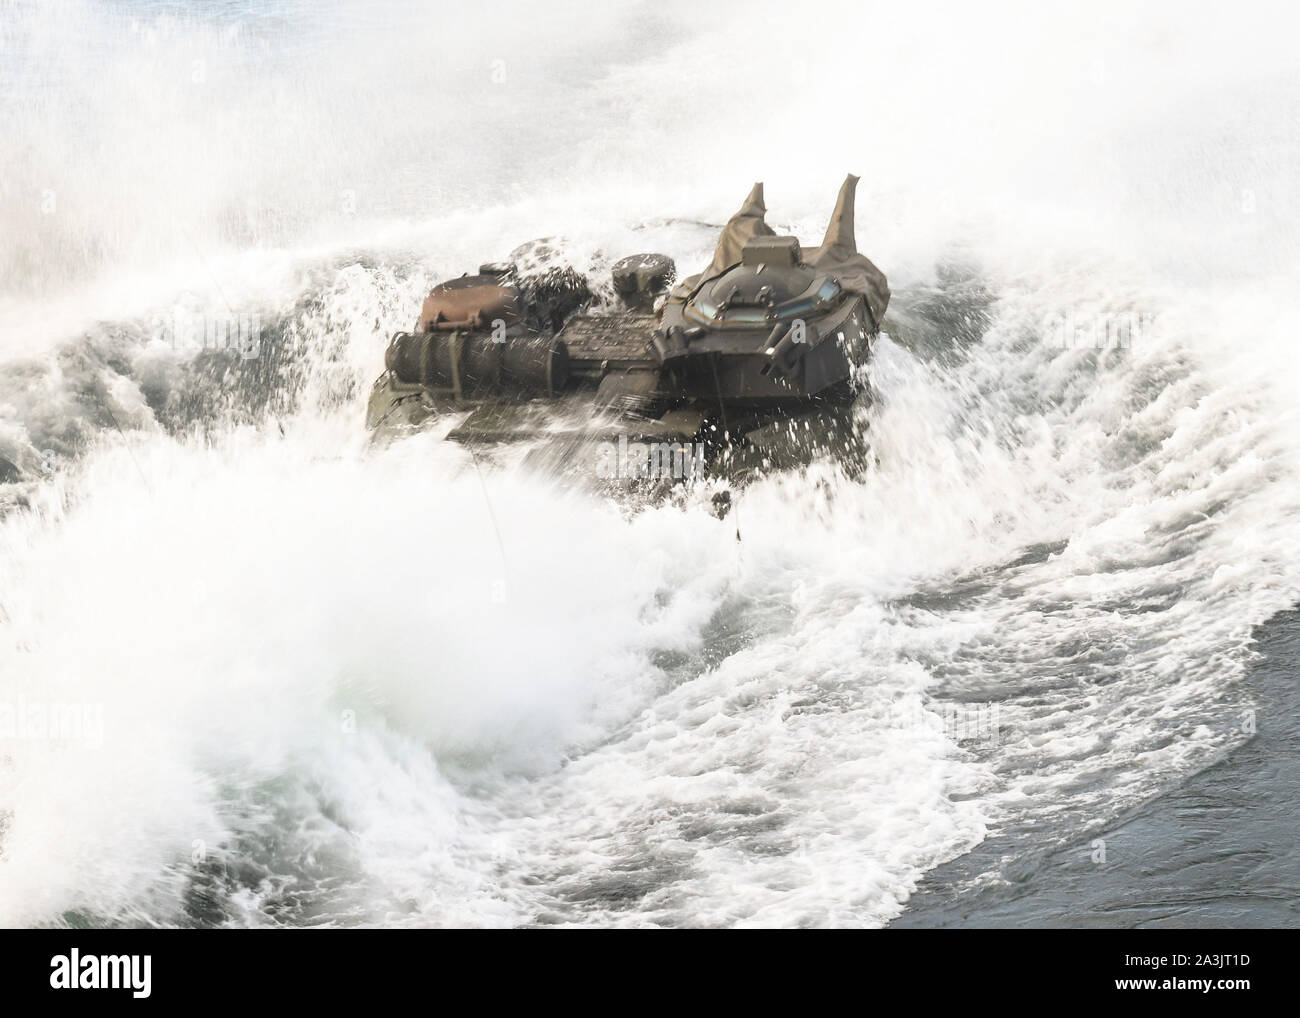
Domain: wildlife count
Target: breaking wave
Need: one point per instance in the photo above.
(257, 671)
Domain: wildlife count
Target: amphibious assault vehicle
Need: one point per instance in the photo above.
(752, 363)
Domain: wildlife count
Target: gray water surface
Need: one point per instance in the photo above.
(1218, 850)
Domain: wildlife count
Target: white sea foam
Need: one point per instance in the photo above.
(329, 695)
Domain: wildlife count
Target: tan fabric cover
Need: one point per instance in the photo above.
(838, 255)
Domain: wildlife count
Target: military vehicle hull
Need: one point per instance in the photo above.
(756, 363)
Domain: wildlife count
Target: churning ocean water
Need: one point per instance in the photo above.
(305, 680)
